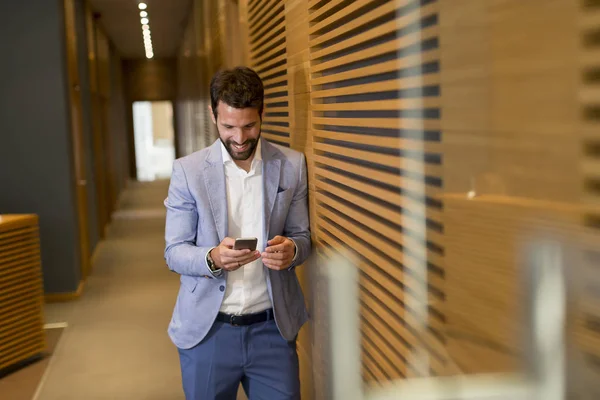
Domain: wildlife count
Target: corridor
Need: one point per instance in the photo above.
(116, 345)
(452, 150)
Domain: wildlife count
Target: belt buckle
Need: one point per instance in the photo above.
(232, 320)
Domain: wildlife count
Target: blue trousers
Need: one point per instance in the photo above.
(256, 355)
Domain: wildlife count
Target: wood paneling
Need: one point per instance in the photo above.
(76, 114)
(104, 91)
(511, 163)
(485, 239)
(375, 133)
(98, 80)
(588, 333)
(21, 290)
(439, 135)
(268, 57)
(113, 155)
(508, 89)
(277, 43)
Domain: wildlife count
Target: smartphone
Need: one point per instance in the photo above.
(245, 243)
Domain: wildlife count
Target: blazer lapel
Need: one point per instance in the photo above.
(214, 179)
(271, 182)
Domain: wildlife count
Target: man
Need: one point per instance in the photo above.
(238, 312)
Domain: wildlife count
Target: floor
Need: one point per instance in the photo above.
(22, 381)
(116, 344)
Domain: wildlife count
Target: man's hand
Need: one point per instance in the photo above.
(279, 254)
(228, 259)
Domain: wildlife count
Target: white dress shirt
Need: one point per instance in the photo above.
(246, 291)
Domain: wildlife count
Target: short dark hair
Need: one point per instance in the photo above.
(240, 87)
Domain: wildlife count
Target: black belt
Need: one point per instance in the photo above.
(246, 319)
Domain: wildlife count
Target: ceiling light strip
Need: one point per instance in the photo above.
(146, 34)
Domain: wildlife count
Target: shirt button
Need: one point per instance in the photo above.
(222, 288)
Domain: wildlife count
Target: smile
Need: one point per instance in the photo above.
(240, 148)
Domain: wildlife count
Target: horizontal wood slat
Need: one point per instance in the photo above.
(264, 6)
(314, 3)
(387, 123)
(409, 61)
(271, 72)
(266, 57)
(417, 166)
(591, 167)
(317, 40)
(385, 48)
(277, 109)
(381, 176)
(375, 208)
(386, 86)
(333, 19)
(398, 326)
(370, 194)
(396, 104)
(19, 246)
(24, 259)
(363, 243)
(328, 6)
(383, 228)
(276, 138)
(269, 39)
(417, 206)
(381, 30)
(381, 358)
(17, 313)
(588, 330)
(381, 141)
(17, 233)
(21, 292)
(21, 353)
(267, 65)
(263, 30)
(279, 80)
(269, 58)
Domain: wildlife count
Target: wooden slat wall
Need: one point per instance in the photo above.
(21, 290)
(358, 94)
(485, 238)
(312, 373)
(374, 77)
(589, 332)
(510, 137)
(268, 57)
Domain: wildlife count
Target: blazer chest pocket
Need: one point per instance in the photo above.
(284, 197)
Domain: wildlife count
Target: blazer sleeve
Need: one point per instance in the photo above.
(297, 224)
(181, 253)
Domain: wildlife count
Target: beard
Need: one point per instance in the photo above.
(241, 155)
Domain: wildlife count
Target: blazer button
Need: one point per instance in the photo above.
(222, 288)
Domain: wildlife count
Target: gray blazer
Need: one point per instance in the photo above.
(197, 221)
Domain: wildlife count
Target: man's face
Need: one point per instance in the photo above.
(239, 130)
